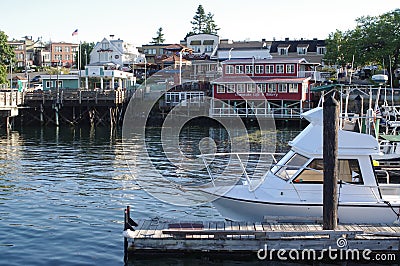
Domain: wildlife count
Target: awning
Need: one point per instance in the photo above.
(393, 138)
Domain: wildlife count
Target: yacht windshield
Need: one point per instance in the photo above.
(291, 166)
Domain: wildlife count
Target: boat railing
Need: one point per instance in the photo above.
(245, 162)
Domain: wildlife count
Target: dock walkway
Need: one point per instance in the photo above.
(157, 237)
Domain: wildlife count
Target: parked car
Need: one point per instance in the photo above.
(36, 79)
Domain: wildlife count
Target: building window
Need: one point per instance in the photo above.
(293, 88)
(251, 88)
(259, 69)
(240, 88)
(58, 49)
(249, 69)
(238, 69)
(290, 68)
(209, 48)
(228, 69)
(66, 49)
(321, 50)
(282, 88)
(230, 88)
(67, 57)
(60, 84)
(269, 69)
(262, 87)
(49, 84)
(271, 87)
(220, 89)
(283, 51)
(302, 50)
(279, 69)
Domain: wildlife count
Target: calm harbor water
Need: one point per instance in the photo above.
(63, 192)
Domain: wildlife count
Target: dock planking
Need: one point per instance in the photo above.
(154, 237)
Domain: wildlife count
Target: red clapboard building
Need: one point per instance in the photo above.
(263, 87)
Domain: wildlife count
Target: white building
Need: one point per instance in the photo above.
(202, 43)
(115, 53)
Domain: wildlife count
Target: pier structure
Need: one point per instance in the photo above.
(73, 107)
(10, 104)
(259, 240)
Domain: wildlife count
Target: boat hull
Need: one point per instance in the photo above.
(246, 210)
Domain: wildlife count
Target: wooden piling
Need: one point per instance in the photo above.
(330, 154)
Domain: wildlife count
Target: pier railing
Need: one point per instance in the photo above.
(278, 113)
(11, 99)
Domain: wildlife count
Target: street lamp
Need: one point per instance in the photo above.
(230, 51)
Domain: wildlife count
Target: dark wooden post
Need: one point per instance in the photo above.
(126, 226)
(330, 153)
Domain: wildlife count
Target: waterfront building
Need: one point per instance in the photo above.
(63, 54)
(311, 50)
(228, 49)
(262, 87)
(115, 54)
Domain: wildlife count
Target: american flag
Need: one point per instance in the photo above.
(75, 32)
(377, 111)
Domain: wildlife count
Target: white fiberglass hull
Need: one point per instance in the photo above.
(245, 210)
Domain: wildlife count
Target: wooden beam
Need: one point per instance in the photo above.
(330, 154)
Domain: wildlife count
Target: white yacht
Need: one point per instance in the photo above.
(294, 186)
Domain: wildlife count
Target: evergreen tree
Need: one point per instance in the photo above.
(203, 23)
(7, 56)
(159, 39)
(199, 20)
(211, 27)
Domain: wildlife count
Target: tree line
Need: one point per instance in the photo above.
(374, 41)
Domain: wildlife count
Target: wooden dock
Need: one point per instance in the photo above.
(165, 238)
(74, 107)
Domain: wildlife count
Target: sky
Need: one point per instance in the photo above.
(137, 22)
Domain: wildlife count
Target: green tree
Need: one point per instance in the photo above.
(7, 57)
(86, 49)
(199, 20)
(374, 40)
(159, 39)
(203, 23)
(211, 27)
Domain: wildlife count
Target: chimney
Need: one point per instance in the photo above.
(286, 39)
(112, 36)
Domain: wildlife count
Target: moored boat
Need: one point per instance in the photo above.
(294, 185)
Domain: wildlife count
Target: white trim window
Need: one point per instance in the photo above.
(259, 69)
(280, 69)
(249, 69)
(290, 68)
(239, 69)
(251, 88)
(262, 87)
(240, 88)
(229, 69)
(293, 88)
(321, 50)
(283, 51)
(230, 88)
(269, 69)
(271, 87)
(49, 84)
(301, 50)
(282, 87)
(220, 89)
